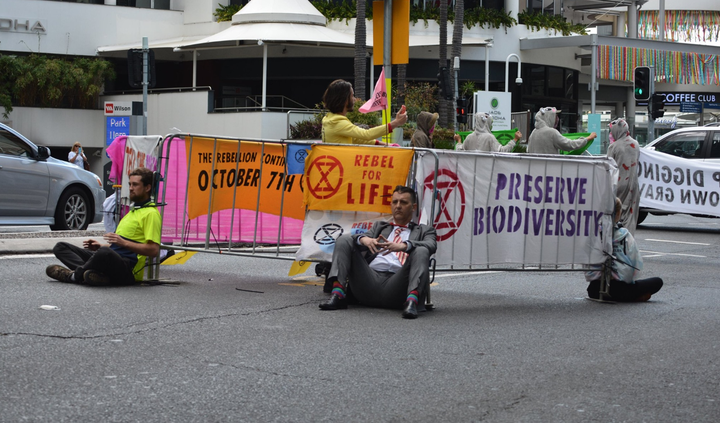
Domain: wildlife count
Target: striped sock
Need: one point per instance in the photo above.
(338, 290)
(413, 296)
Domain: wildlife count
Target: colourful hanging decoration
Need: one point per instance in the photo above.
(688, 26)
(673, 67)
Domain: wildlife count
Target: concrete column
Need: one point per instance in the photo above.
(620, 26)
(619, 109)
(630, 110)
(632, 20)
(512, 7)
(661, 21)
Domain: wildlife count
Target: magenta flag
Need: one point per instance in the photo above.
(378, 101)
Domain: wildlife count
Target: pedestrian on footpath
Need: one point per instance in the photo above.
(77, 157)
(122, 260)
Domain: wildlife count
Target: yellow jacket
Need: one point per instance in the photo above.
(337, 129)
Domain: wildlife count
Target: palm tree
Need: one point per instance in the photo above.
(360, 50)
(456, 50)
(443, 105)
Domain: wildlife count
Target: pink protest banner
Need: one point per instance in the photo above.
(243, 222)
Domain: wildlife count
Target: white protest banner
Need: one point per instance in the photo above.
(675, 184)
(140, 151)
(322, 227)
(519, 208)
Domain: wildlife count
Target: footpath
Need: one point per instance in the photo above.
(42, 242)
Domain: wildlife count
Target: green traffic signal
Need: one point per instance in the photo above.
(642, 79)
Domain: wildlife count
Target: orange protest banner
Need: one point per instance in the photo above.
(240, 169)
(354, 178)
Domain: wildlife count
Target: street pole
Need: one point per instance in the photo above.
(146, 82)
(387, 62)
(456, 67)
(651, 118)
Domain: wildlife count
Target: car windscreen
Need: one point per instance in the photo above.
(688, 145)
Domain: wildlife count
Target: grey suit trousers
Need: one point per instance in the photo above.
(378, 289)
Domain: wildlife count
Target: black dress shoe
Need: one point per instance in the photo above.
(409, 310)
(334, 303)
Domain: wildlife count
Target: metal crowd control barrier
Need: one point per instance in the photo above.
(244, 225)
(200, 234)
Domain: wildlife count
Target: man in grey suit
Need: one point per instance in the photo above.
(386, 266)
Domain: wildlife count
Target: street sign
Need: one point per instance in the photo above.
(594, 125)
(118, 108)
(116, 126)
(691, 107)
(498, 105)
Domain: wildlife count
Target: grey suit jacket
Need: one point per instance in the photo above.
(420, 236)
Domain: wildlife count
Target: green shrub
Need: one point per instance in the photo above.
(310, 129)
(225, 13)
(443, 138)
(420, 97)
(371, 119)
(537, 21)
(43, 81)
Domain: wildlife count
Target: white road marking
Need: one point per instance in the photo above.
(20, 256)
(660, 253)
(447, 275)
(676, 242)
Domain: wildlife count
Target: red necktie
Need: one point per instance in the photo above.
(401, 255)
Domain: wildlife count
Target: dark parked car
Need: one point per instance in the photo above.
(36, 189)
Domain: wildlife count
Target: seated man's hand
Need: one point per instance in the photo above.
(114, 238)
(375, 245)
(391, 247)
(91, 245)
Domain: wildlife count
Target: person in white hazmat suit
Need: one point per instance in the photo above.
(482, 139)
(545, 139)
(626, 153)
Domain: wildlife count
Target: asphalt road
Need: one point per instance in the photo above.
(237, 340)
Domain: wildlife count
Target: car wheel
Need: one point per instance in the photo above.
(641, 216)
(72, 211)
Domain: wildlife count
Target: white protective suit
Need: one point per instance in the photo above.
(482, 139)
(626, 153)
(545, 139)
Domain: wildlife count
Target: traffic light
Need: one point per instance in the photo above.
(135, 68)
(658, 105)
(444, 84)
(461, 110)
(643, 83)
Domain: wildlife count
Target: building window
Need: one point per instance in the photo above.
(537, 81)
(542, 6)
(146, 4)
(555, 82)
(84, 1)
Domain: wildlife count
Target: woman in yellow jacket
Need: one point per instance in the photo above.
(337, 128)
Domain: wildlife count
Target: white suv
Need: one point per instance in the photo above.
(697, 143)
